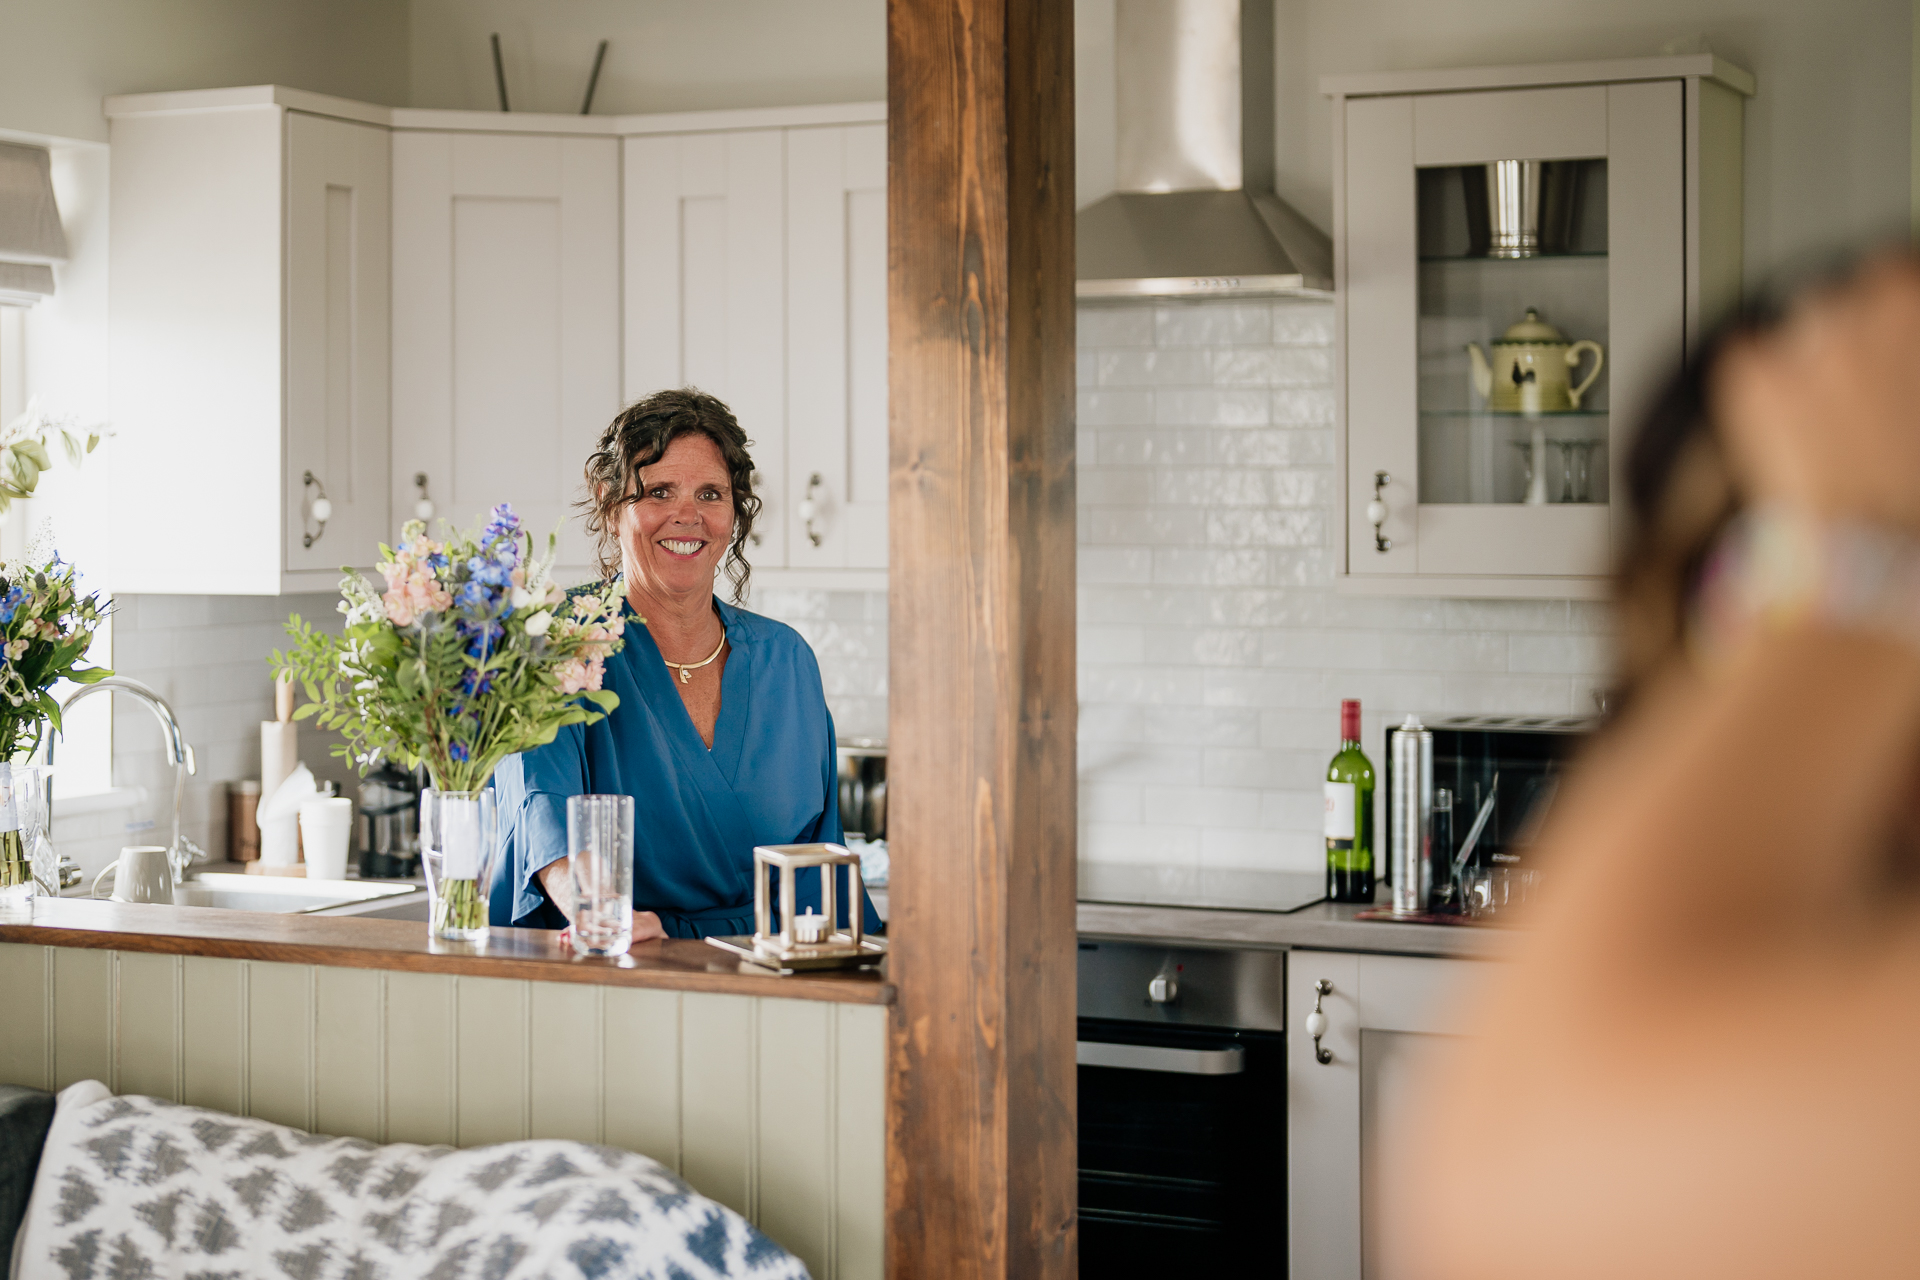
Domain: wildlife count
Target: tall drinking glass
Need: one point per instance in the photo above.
(459, 838)
(600, 839)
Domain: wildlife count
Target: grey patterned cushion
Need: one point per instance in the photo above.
(139, 1187)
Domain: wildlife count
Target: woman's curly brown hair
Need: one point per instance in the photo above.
(639, 438)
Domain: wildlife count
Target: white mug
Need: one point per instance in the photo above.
(143, 873)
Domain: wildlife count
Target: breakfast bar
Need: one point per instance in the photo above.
(764, 1092)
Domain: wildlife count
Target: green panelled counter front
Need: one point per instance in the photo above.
(771, 1104)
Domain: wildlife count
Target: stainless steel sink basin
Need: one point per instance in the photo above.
(384, 900)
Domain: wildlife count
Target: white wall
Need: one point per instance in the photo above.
(663, 55)
(59, 58)
(1828, 150)
(1214, 650)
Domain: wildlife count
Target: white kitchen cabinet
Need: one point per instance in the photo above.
(837, 347)
(1643, 170)
(249, 340)
(506, 323)
(756, 269)
(705, 290)
(1381, 1011)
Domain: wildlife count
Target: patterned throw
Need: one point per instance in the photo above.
(140, 1188)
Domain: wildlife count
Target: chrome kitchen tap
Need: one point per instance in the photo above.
(182, 852)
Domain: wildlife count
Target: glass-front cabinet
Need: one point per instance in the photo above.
(1523, 257)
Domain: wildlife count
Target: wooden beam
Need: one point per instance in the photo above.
(981, 1160)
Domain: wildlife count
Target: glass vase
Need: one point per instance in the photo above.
(459, 840)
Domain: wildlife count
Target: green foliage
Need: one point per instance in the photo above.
(46, 626)
(471, 654)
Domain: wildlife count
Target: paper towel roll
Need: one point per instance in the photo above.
(279, 753)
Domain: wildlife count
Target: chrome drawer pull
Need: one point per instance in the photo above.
(1230, 1061)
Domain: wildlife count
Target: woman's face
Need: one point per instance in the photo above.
(673, 537)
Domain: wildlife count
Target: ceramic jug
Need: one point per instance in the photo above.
(1532, 369)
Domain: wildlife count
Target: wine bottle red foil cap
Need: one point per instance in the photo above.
(1350, 720)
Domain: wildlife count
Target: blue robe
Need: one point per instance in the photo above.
(770, 778)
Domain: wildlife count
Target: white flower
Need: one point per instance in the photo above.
(522, 597)
(537, 624)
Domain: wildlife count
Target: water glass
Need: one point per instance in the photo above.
(459, 839)
(600, 840)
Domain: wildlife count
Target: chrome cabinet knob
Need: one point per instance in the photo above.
(1163, 990)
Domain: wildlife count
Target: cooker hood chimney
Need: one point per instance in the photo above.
(1194, 213)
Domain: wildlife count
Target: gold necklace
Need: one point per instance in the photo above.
(685, 667)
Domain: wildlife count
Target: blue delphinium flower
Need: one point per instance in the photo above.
(10, 603)
(458, 751)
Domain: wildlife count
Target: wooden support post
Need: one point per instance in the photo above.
(981, 1160)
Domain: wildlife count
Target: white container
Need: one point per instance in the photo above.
(279, 818)
(326, 826)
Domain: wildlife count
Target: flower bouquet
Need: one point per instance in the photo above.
(46, 625)
(470, 654)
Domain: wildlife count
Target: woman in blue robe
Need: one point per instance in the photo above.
(722, 736)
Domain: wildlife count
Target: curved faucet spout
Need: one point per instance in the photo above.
(180, 853)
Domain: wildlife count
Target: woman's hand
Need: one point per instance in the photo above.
(1822, 414)
(647, 927)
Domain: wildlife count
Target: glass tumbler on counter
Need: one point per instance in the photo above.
(600, 840)
(459, 839)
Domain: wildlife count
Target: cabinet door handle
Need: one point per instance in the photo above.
(808, 508)
(321, 509)
(423, 509)
(1377, 512)
(753, 478)
(1317, 1022)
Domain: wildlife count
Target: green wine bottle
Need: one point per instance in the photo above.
(1350, 814)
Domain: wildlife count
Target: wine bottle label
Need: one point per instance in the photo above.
(1340, 811)
(9, 812)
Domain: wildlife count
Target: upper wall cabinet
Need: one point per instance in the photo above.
(276, 253)
(1522, 257)
(506, 323)
(249, 341)
(756, 269)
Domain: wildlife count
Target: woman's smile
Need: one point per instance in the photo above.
(683, 546)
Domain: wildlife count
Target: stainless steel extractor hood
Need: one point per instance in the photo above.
(1194, 212)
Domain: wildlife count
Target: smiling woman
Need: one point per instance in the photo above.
(722, 736)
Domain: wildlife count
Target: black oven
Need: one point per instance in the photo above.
(1182, 1110)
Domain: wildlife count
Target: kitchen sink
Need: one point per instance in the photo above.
(380, 900)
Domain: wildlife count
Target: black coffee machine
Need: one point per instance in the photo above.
(387, 828)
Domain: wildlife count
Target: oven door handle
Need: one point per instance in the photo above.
(1230, 1061)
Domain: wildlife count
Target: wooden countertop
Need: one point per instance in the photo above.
(343, 942)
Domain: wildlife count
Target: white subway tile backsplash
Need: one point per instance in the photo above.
(1301, 407)
(1184, 407)
(1109, 802)
(1114, 408)
(1115, 326)
(1307, 324)
(1202, 646)
(1240, 567)
(1272, 447)
(1151, 368)
(1202, 726)
(1212, 324)
(1150, 447)
(1266, 528)
(1560, 654)
(1116, 564)
(1140, 844)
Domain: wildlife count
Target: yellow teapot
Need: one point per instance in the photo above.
(1532, 369)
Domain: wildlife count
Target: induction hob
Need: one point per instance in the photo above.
(1217, 890)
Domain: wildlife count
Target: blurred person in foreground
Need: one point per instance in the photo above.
(1704, 1057)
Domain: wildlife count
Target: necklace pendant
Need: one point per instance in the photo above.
(686, 677)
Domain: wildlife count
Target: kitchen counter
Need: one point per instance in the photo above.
(344, 942)
(1325, 926)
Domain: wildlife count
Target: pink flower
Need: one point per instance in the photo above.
(572, 674)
